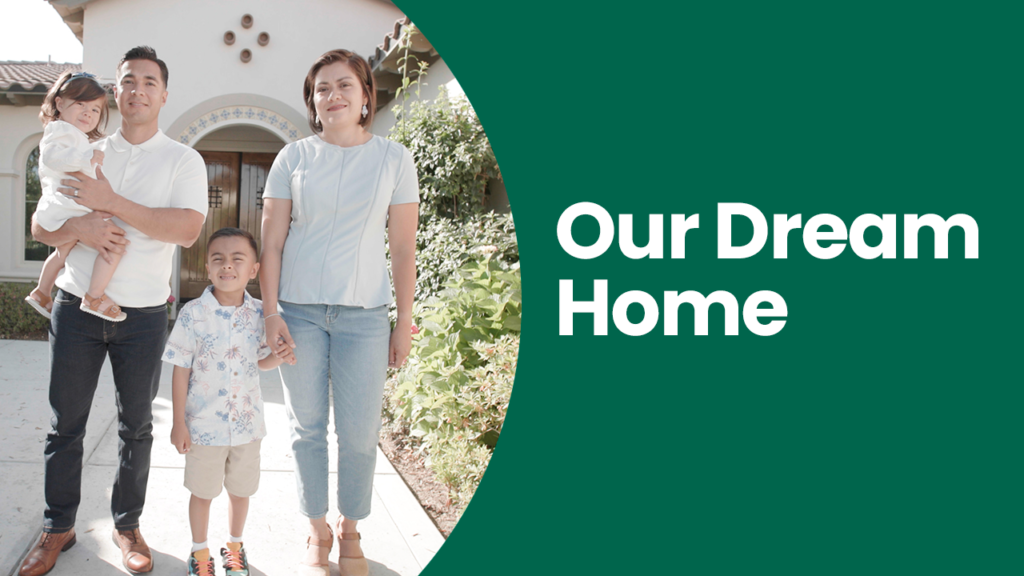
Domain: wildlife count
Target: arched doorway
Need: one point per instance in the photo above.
(238, 158)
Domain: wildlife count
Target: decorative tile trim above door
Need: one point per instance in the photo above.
(239, 115)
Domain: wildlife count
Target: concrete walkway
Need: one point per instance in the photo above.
(398, 537)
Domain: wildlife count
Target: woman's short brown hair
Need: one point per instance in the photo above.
(360, 66)
(76, 87)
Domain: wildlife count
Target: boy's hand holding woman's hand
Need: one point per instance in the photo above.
(287, 356)
(280, 339)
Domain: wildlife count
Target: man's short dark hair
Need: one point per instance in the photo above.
(143, 53)
(228, 232)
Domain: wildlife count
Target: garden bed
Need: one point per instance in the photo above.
(433, 495)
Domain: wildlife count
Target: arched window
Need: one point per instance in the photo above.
(34, 251)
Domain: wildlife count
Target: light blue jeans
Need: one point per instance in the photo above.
(346, 348)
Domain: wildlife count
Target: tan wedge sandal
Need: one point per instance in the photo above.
(92, 306)
(351, 565)
(324, 567)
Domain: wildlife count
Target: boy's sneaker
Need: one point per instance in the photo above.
(200, 563)
(235, 563)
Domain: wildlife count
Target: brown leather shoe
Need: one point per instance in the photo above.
(135, 554)
(42, 558)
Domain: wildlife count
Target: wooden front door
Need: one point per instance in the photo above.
(235, 183)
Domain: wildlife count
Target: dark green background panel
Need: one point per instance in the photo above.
(881, 431)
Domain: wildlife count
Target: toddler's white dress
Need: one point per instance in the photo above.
(63, 149)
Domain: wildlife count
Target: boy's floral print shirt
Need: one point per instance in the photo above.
(221, 344)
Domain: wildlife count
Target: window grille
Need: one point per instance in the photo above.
(215, 194)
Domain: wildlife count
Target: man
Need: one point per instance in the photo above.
(160, 201)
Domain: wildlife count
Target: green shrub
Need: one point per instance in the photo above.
(453, 393)
(453, 157)
(460, 464)
(17, 317)
(444, 245)
(460, 458)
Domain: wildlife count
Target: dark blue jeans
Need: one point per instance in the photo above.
(79, 343)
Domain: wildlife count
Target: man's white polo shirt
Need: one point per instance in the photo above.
(159, 173)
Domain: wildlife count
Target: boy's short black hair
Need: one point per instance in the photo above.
(144, 53)
(227, 232)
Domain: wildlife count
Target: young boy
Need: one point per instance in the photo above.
(216, 346)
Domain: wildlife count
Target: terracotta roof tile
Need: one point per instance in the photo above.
(384, 47)
(32, 76)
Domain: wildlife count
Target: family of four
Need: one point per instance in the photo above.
(116, 207)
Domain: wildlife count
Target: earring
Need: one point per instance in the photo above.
(365, 111)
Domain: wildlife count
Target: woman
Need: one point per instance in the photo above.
(327, 202)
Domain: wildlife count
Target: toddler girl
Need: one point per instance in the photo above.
(71, 114)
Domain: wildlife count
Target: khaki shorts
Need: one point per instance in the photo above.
(236, 468)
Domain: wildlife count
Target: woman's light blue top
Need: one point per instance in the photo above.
(334, 253)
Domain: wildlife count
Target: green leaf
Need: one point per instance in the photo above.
(433, 326)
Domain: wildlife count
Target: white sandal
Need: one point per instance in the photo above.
(44, 306)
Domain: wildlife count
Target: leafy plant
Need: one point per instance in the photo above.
(452, 153)
(453, 156)
(409, 82)
(454, 391)
(460, 464)
(452, 395)
(17, 317)
(459, 455)
(444, 245)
